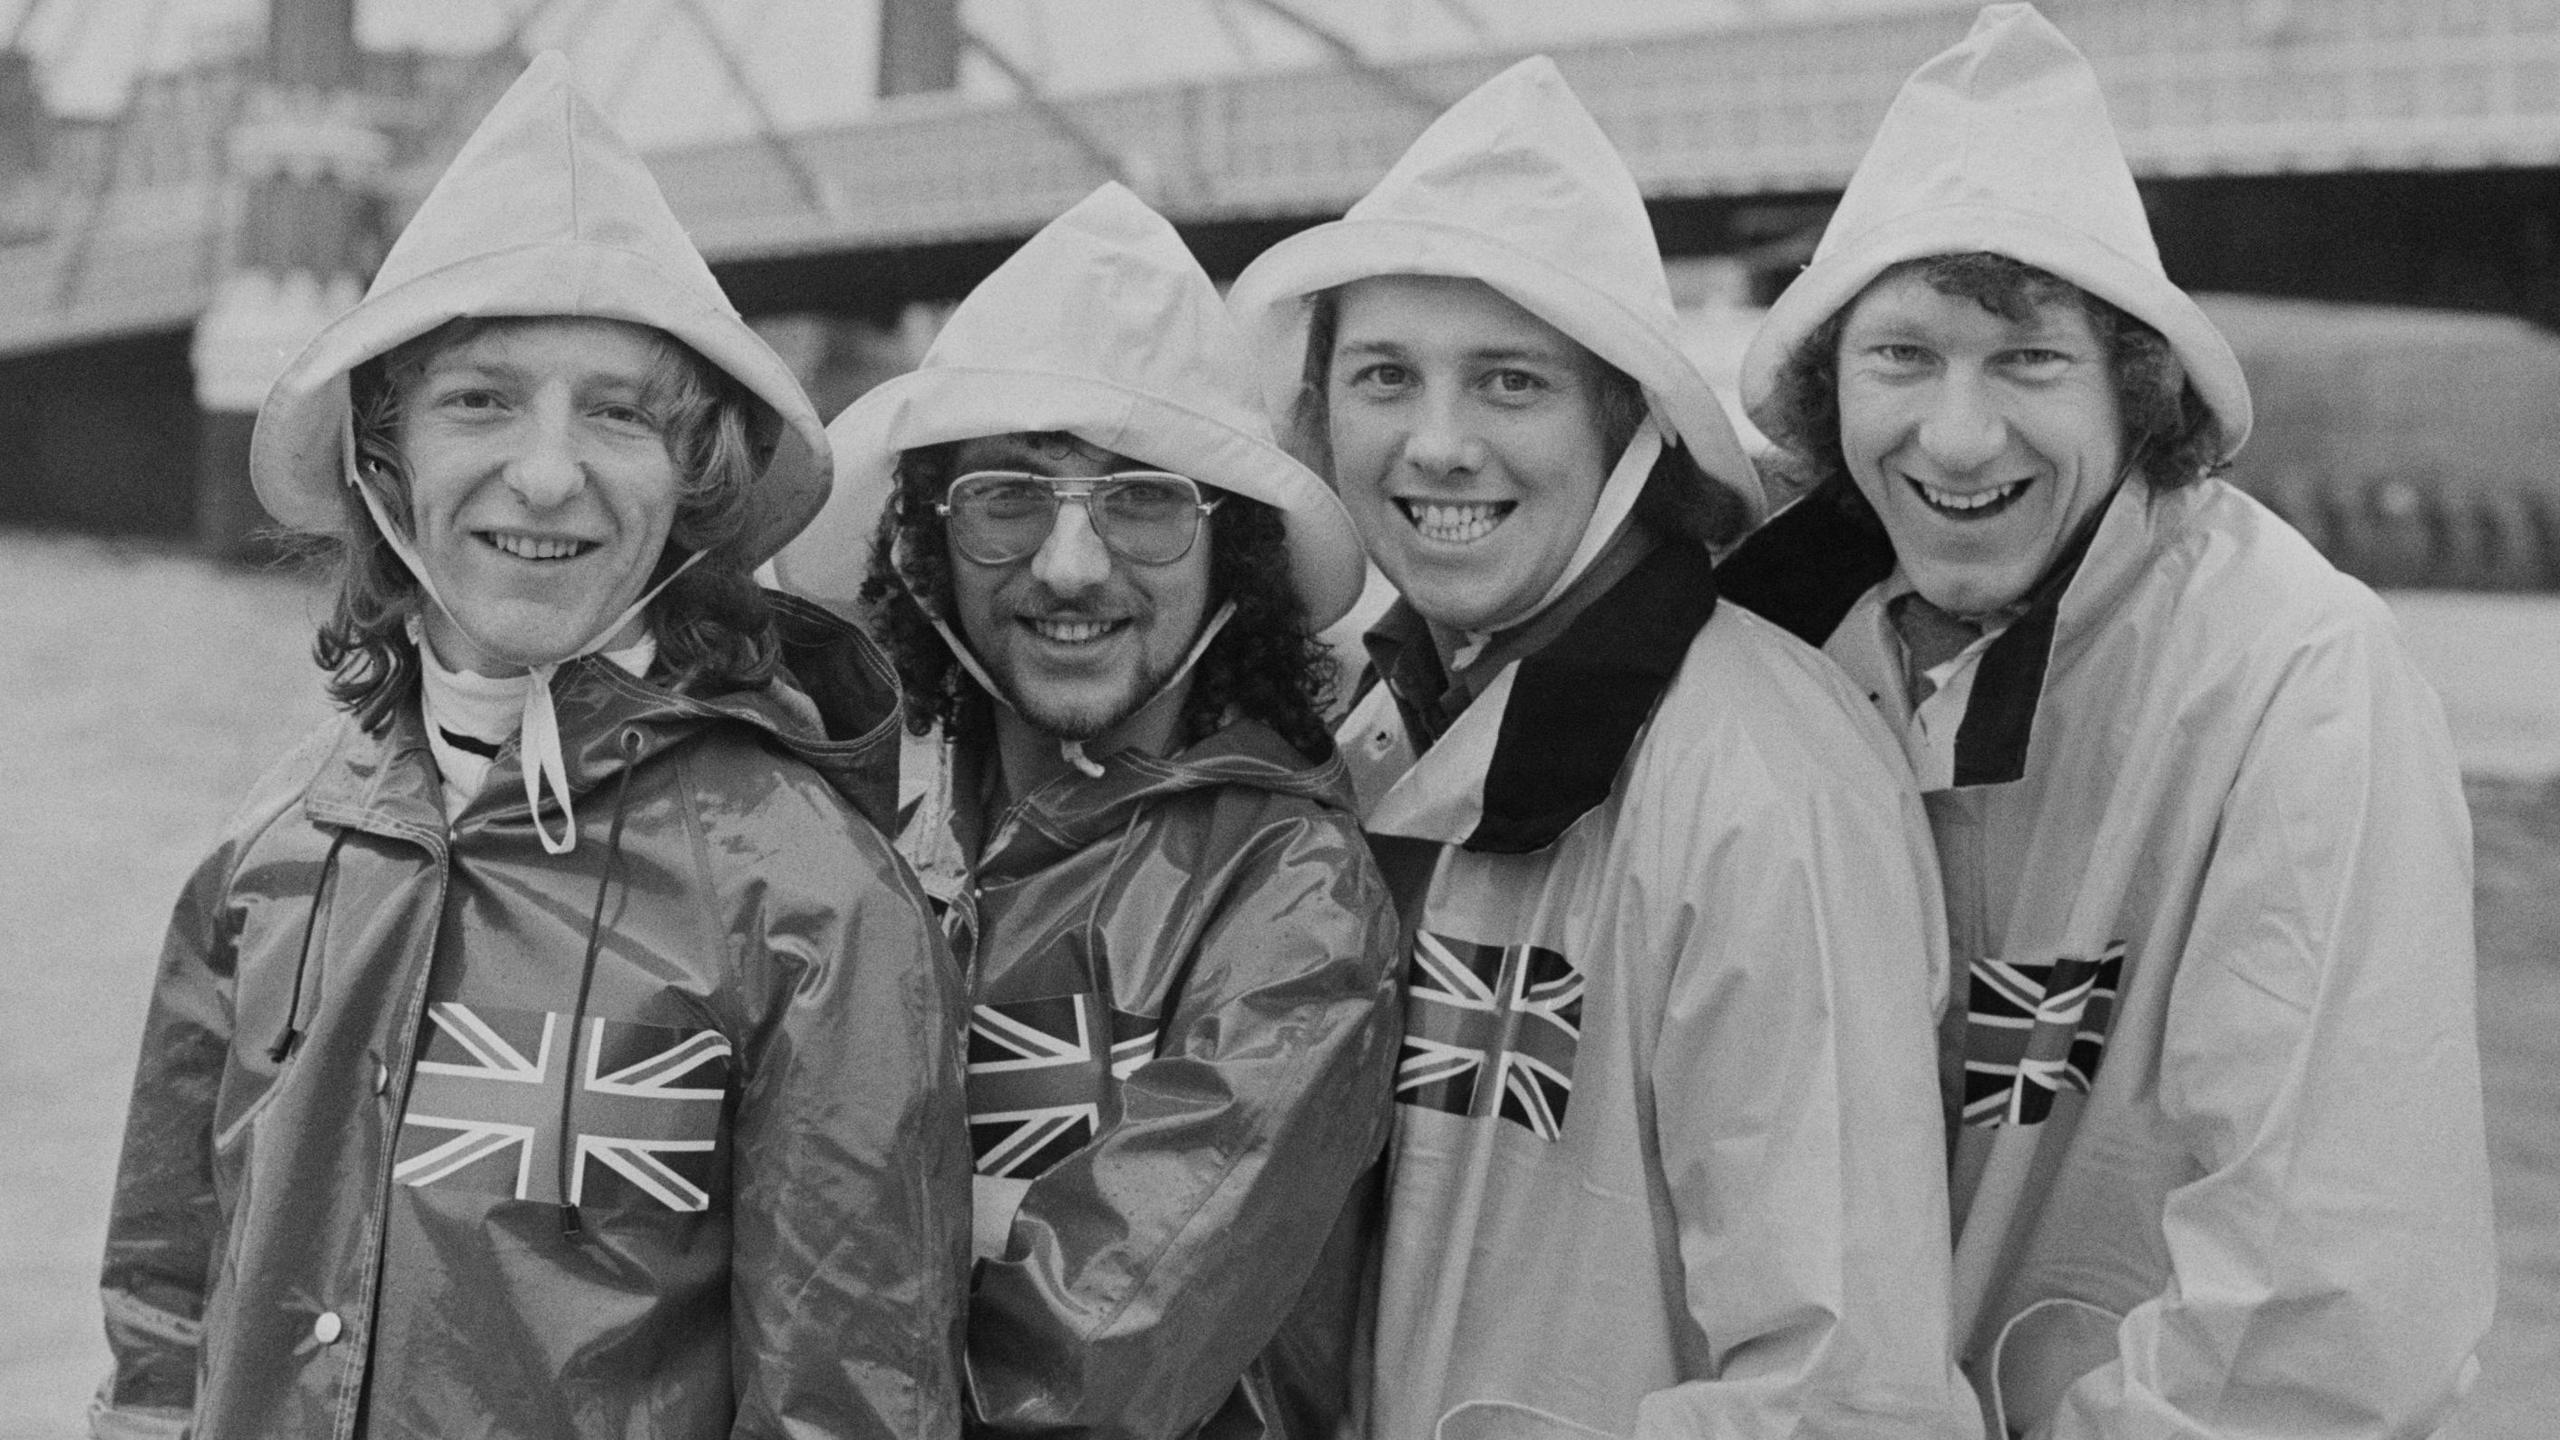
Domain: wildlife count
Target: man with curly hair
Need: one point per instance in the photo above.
(554, 1044)
(1100, 579)
(2218, 1165)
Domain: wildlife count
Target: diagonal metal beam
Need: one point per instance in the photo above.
(443, 134)
(1353, 57)
(814, 190)
(1073, 130)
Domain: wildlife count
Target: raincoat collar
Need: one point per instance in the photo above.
(1543, 744)
(2000, 144)
(1806, 570)
(1074, 812)
(1516, 186)
(385, 783)
(1103, 326)
(545, 212)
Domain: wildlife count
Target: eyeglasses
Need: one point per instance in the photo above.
(1145, 516)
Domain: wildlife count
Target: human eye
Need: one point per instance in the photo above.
(1004, 497)
(628, 413)
(465, 398)
(2036, 362)
(1512, 384)
(1146, 499)
(1379, 377)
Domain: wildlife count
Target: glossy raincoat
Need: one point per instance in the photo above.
(2218, 1166)
(446, 1128)
(1183, 1028)
(769, 1172)
(1184, 1010)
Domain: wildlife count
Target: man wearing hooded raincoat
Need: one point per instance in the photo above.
(1100, 578)
(2219, 1167)
(1665, 1160)
(552, 1045)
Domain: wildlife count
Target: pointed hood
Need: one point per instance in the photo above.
(1516, 186)
(2001, 144)
(1105, 327)
(545, 212)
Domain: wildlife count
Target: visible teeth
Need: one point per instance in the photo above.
(1455, 524)
(528, 547)
(1072, 632)
(1951, 500)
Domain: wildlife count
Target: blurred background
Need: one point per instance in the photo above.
(2365, 195)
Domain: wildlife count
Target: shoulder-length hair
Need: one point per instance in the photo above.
(714, 628)
(2168, 434)
(1678, 499)
(1265, 665)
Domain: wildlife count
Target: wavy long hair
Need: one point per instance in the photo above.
(1265, 665)
(714, 628)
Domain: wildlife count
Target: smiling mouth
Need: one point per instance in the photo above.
(1453, 523)
(1977, 505)
(1072, 632)
(536, 547)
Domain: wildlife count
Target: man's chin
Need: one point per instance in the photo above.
(1084, 720)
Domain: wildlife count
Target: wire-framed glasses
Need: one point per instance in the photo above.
(1147, 516)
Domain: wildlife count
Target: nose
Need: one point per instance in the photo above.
(546, 468)
(1440, 443)
(1073, 559)
(1963, 429)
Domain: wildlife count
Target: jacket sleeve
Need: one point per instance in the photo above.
(2333, 1258)
(1796, 1113)
(165, 1229)
(1145, 1272)
(849, 1255)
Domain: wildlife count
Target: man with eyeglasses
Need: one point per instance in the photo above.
(1100, 579)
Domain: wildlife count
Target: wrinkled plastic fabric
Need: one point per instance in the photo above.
(1736, 1224)
(266, 1276)
(1193, 1269)
(2270, 1213)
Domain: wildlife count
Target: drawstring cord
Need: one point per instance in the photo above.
(291, 1034)
(538, 743)
(569, 1167)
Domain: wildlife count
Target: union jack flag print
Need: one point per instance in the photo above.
(2034, 1030)
(1042, 1077)
(484, 1108)
(1491, 1030)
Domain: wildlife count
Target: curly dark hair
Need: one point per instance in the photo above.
(1265, 665)
(1678, 497)
(2169, 435)
(714, 627)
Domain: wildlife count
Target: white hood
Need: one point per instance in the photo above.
(1516, 186)
(544, 212)
(2001, 144)
(1105, 327)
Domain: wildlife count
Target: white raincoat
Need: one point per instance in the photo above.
(1665, 1160)
(2220, 1168)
